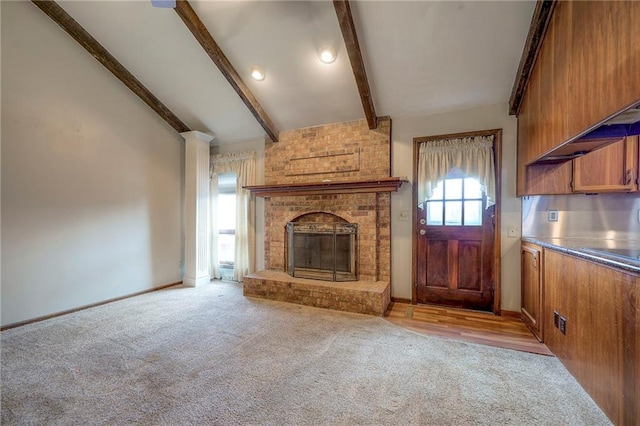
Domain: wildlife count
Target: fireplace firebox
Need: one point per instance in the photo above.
(322, 251)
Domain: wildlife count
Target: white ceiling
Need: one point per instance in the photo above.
(421, 57)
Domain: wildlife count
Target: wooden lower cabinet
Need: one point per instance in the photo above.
(601, 343)
(532, 290)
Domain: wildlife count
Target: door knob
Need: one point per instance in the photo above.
(422, 221)
(422, 232)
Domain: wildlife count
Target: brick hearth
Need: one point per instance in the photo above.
(334, 155)
(364, 297)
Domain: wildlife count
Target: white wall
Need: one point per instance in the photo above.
(91, 177)
(256, 145)
(403, 132)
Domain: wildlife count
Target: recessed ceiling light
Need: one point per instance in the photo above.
(167, 4)
(327, 54)
(257, 73)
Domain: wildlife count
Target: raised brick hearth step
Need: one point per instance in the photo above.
(364, 297)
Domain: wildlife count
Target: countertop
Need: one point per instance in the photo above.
(577, 246)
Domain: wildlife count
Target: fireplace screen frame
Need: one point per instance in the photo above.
(336, 235)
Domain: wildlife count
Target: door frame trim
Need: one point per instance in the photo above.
(497, 157)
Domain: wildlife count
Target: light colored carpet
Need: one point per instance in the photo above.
(211, 356)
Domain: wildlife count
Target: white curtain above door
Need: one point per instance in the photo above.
(472, 155)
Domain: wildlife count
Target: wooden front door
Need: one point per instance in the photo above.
(455, 246)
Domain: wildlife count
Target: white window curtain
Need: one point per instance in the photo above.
(472, 155)
(242, 164)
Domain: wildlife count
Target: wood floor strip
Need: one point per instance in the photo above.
(477, 327)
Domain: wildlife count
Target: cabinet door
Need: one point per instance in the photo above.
(609, 169)
(532, 288)
(549, 179)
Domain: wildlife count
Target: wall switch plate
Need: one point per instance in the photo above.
(512, 232)
(404, 216)
(552, 216)
(638, 215)
(556, 319)
(563, 325)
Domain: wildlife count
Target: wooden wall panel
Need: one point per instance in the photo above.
(605, 61)
(523, 140)
(560, 33)
(543, 119)
(548, 90)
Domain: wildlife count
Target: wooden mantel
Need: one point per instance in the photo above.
(327, 188)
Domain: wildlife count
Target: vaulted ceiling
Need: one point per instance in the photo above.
(421, 58)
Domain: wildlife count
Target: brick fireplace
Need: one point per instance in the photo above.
(322, 246)
(339, 171)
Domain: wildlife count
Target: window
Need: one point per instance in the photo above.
(456, 201)
(226, 222)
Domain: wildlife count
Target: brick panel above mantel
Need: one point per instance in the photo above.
(339, 152)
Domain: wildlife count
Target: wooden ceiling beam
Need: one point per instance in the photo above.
(200, 32)
(91, 45)
(343, 10)
(539, 24)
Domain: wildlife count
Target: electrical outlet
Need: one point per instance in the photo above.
(556, 319)
(552, 216)
(404, 216)
(563, 325)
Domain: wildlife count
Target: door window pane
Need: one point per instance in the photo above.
(434, 213)
(472, 188)
(473, 213)
(453, 189)
(456, 201)
(453, 212)
(438, 192)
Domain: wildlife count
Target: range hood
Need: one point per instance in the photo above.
(624, 124)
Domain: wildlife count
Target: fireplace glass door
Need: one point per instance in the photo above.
(322, 251)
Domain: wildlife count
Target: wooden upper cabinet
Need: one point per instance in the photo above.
(543, 117)
(549, 179)
(546, 101)
(587, 70)
(605, 61)
(612, 168)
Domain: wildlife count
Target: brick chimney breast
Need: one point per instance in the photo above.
(339, 152)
